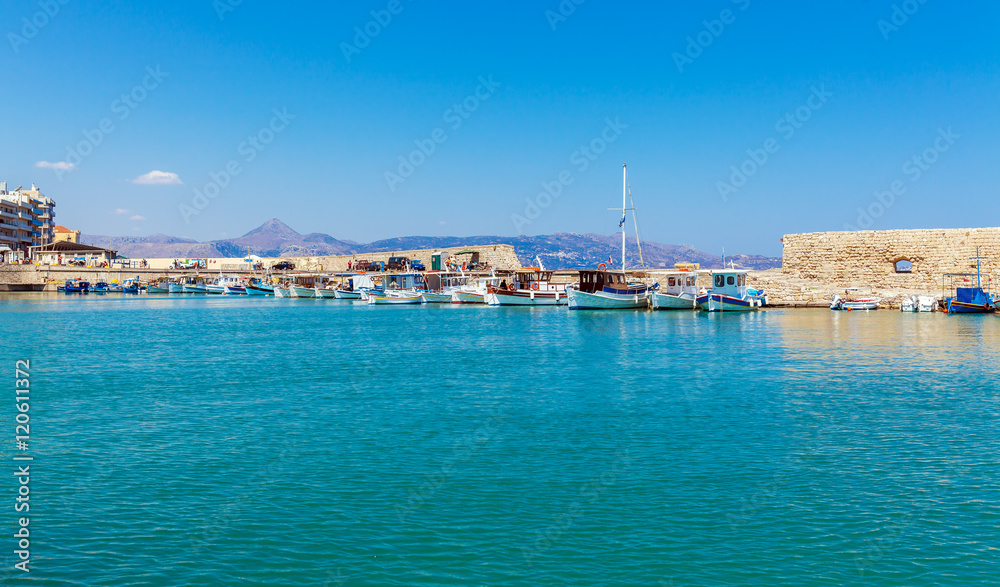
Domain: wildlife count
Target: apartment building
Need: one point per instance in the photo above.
(27, 218)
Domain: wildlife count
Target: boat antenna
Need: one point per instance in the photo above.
(979, 279)
(621, 223)
(723, 257)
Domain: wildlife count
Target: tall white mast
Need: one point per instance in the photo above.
(624, 184)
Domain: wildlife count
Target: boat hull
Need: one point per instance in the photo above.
(155, 289)
(377, 300)
(281, 292)
(664, 301)
(175, 288)
(346, 295)
(328, 294)
(579, 300)
(430, 297)
(257, 291)
(302, 292)
(467, 297)
(721, 303)
(956, 307)
(231, 290)
(502, 297)
(215, 289)
(198, 289)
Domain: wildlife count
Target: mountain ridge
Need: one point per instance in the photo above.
(559, 250)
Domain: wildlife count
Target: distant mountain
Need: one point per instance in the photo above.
(560, 250)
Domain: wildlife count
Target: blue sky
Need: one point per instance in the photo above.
(291, 113)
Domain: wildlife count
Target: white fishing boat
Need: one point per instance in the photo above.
(678, 291)
(281, 292)
(394, 298)
(611, 290)
(853, 302)
(919, 304)
(474, 292)
(195, 285)
(440, 285)
(325, 293)
(175, 287)
(529, 286)
(344, 294)
(157, 287)
(730, 293)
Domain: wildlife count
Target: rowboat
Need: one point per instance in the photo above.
(530, 286)
(919, 304)
(852, 302)
(397, 298)
(730, 293)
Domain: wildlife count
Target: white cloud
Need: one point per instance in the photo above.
(122, 211)
(137, 217)
(158, 178)
(57, 166)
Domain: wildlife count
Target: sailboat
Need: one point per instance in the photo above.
(605, 289)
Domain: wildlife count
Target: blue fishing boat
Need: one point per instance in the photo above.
(76, 286)
(100, 287)
(963, 296)
(131, 286)
(730, 293)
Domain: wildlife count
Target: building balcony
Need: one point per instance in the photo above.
(7, 214)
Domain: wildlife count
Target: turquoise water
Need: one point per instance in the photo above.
(223, 441)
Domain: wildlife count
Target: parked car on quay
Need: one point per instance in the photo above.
(283, 266)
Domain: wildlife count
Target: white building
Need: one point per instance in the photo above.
(27, 218)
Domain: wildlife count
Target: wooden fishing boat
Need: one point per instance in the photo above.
(529, 286)
(282, 292)
(611, 290)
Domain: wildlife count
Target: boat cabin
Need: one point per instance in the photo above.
(676, 283)
(439, 281)
(532, 278)
(730, 282)
(607, 281)
(966, 288)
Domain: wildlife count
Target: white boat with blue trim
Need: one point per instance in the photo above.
(730, 293)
